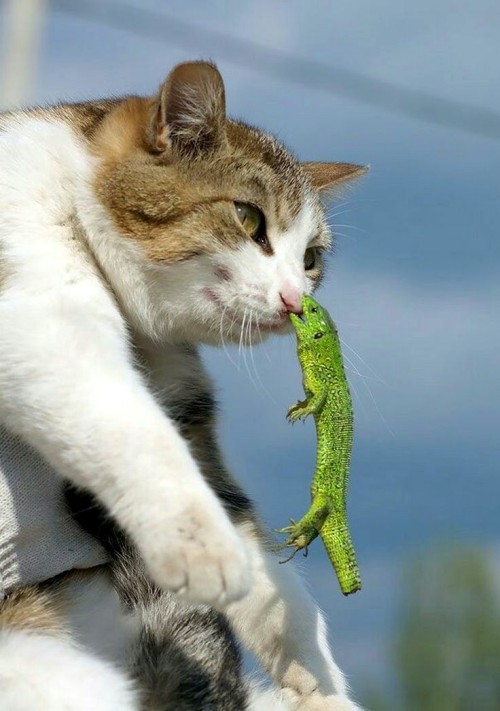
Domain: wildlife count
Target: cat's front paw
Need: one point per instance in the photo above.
(200, 556)
(318, 702)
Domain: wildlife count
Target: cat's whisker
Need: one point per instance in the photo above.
(234, 318)
(252, 358)
(332, 214)
(258, 381)
(356, 354)
(224, 347)
(246, 341)
(248, 337)
(241, 350)
(241, 334)
(351, 227)
(353, 387)
(370, 393)
(260, 339)
(356, 371)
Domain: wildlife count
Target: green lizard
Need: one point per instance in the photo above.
(329, 400)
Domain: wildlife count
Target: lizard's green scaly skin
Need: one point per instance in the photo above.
(328, 399)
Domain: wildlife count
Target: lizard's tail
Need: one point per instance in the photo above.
(338, 544)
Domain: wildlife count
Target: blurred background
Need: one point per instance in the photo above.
(413, 91)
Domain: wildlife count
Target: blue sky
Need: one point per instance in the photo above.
(413, 285)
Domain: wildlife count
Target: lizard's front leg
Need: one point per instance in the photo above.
(312, 405)
(280, 623)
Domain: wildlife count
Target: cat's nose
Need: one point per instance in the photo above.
(292, 299)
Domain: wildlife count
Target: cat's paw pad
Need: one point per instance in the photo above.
(202, 558)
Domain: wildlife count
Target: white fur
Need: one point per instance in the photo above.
(274, 700)
(42, 672)
(267, 700)
(69, 388)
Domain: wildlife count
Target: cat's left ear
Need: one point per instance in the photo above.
(189, 113)
(327, 176)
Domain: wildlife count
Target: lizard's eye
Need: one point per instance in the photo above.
(318, 335)
(314, 310)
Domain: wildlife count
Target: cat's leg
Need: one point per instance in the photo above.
(69, 388)
(281, 624)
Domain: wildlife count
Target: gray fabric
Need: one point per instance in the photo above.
(38, 538)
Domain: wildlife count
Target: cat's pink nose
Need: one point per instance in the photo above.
(292, 299)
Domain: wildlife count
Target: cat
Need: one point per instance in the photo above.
(131, 231)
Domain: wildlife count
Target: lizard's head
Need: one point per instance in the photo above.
(314, 323)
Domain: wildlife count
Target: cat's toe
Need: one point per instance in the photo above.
(204, 560)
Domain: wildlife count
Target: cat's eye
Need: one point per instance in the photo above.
(310, 258)
(253, 222)
(318, 335)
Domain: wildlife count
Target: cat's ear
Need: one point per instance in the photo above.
(189, 113)
(326, 176)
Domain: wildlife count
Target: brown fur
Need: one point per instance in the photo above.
(176, 207)
(34, 610)
(172, 166)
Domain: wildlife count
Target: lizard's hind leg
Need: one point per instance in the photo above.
(302, 533)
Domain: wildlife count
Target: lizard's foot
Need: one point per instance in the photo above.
(293, 553)
(287, 529)
(299, 537)
(299, 411)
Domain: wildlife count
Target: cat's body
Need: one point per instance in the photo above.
(131, 231)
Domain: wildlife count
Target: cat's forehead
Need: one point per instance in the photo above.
(265, 167)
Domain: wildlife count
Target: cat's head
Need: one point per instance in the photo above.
(225, 223)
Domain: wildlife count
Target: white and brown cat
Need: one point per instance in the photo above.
(131, 231)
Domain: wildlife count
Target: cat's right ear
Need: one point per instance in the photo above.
(189, 113)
